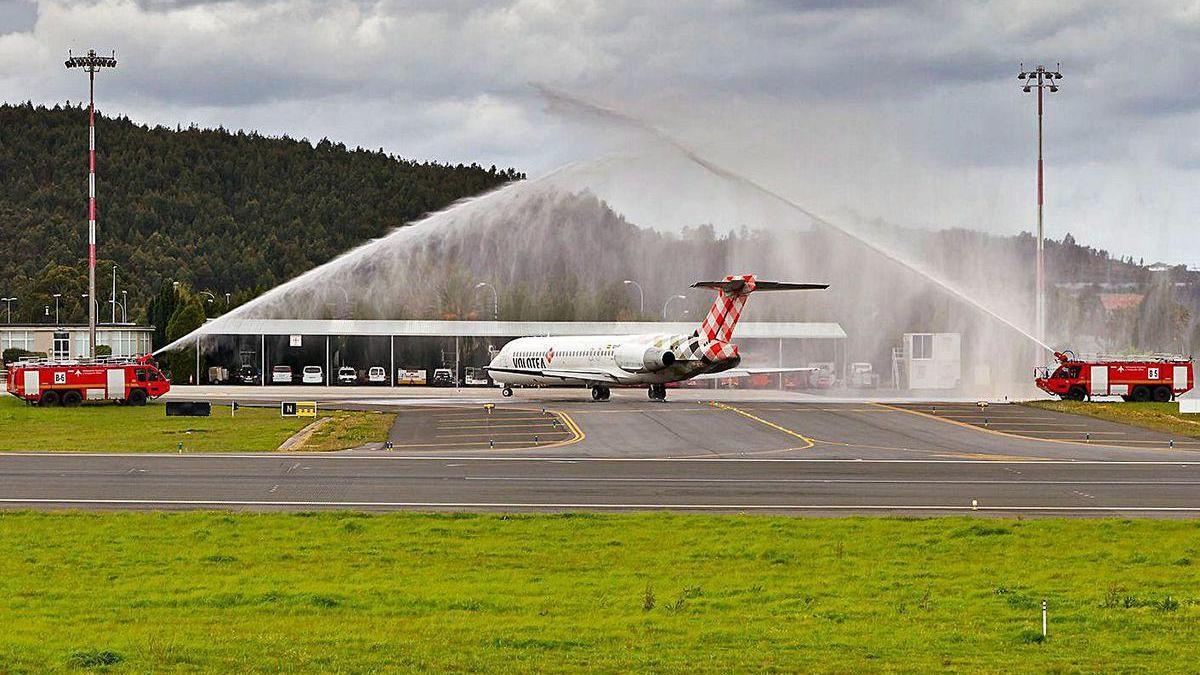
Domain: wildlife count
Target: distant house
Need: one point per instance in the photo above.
(1116, 302)
(1161, 267)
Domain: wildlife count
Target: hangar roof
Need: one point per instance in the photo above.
(745, 329)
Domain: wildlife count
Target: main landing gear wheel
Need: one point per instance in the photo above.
(506, 392)
(658, 392)
(600, 393)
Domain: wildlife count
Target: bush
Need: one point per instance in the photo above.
(103, 351)
(16, 354)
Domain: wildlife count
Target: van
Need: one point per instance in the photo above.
(281, 375)
(347, 375)
(442, 378)
(313, 375)
(377, 375)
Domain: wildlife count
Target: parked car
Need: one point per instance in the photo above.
(442, 377)
(377, 375)
(347, 375)
(247, 374)
(281, 375)
(313, 375)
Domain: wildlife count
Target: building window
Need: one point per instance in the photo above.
(16, 339)
(922, 346)
(62, 345)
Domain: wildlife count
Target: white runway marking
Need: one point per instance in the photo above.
(563, 458)
(588, 505)
(881, 481)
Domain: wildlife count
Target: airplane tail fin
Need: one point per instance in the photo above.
(732, 293)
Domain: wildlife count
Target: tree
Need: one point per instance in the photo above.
(188, 316)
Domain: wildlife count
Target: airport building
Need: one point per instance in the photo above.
(71, 341)
(286, 350)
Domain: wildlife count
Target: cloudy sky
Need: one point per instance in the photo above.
(906, 111)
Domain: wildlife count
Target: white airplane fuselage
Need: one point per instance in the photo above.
(604, 359)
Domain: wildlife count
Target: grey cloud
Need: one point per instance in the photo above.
(17, 16)
(853, 102)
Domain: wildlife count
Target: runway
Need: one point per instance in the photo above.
(811, 486)
(559, 452)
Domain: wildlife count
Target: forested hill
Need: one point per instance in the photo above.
(229, 212)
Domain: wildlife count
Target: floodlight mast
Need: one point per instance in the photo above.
(1040, 78)
(91, 64)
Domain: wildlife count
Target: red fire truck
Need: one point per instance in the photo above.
(70, 383)
(1133, 378)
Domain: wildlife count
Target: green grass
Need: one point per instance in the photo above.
(113, 428)
(350, 429)
(658, 592)
(1162, 417)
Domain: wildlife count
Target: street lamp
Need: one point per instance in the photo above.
(94, 306)
(641, 295)
(495, 299)
(124, 307)
(211, 298)
(92, 64)
(56, 297)
(668, 302)
(113, 299)
(1040, 79)
(9, 301)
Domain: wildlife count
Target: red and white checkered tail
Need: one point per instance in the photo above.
(732, 292)
(727, 308)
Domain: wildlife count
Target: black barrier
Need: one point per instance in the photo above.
(189, 409)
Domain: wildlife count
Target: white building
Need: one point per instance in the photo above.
(69, 342)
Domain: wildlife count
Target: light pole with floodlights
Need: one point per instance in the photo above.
(56, 297)
(9, 302)
(1040, 79)
(91, 64)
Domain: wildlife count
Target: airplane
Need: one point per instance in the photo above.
(603, 361)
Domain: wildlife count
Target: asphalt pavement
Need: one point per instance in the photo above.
(558, 451)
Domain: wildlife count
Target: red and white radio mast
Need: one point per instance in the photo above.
(91, 64)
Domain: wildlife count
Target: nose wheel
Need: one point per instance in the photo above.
(600, 393)
(658, 392)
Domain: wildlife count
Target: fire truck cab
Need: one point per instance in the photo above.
(1139, 379)
(70, 383)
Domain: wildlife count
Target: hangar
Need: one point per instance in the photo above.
(398, 346)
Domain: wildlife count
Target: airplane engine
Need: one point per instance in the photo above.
(640, 358)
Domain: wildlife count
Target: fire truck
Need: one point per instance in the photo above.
(1133, 378)
(70, 383)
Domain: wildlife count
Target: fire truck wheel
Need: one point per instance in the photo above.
(1076, 394)
(1141, 394)
(137, 397)
(71, 399)
(1162, 394)
(48, 399)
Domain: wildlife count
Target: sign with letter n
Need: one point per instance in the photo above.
(287, 408)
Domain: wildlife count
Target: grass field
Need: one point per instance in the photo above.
(112, 428)
(656, 592)
(1163, 417)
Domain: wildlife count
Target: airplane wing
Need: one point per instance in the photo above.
(577, 375)
(747, 372)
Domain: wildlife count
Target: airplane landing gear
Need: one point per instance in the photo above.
(658, 392)
(600, 393)
(506, 392)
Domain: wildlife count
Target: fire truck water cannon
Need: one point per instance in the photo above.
(1159, 378)
(70, 383)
